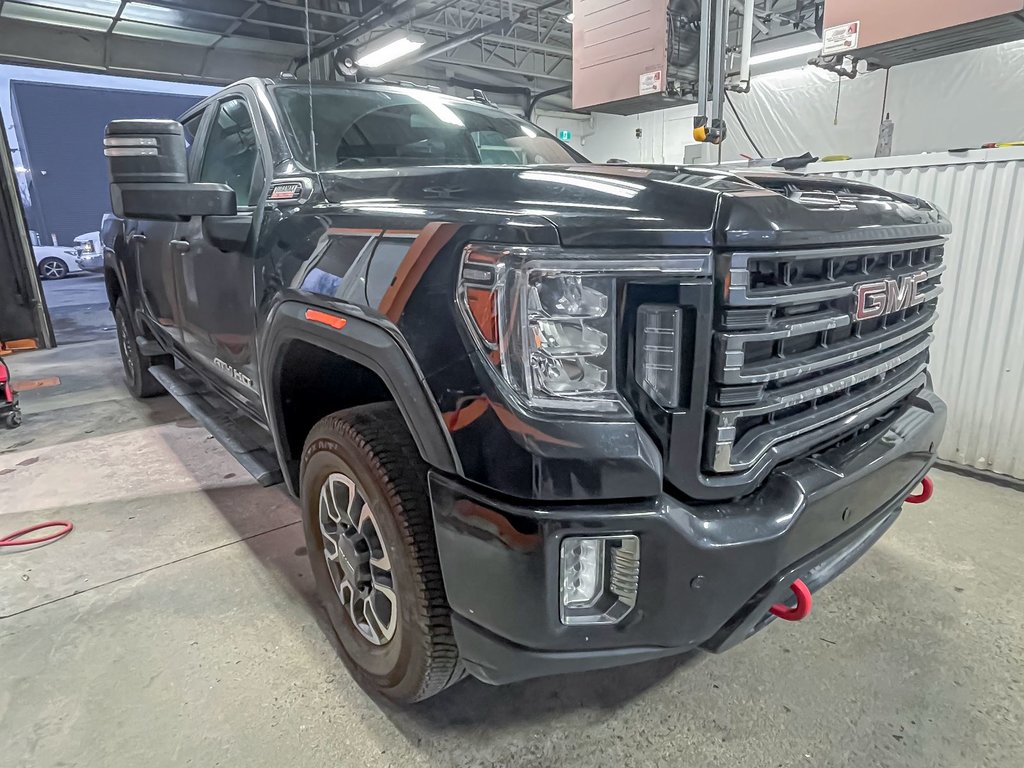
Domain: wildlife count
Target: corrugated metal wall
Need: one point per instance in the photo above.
(978, 355)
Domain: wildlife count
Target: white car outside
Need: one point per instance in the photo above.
(55, 262)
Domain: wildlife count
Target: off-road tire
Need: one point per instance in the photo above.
(134, 364)
(372, 445)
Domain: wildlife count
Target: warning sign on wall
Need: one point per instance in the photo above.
(651, 82)
(840, 39)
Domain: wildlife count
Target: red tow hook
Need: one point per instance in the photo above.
(927, 486)
(803, 604)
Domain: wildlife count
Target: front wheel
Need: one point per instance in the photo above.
(52, 268)
(370, 538)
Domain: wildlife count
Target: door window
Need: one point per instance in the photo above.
(191, 127)
(232, 153)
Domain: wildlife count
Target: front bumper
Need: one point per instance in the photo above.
(90, 262)
(708, 573)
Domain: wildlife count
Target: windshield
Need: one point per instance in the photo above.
(366, 127)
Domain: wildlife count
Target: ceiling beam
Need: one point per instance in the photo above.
(113, 21)
(33, 44)
(171, 6)
(235, 26)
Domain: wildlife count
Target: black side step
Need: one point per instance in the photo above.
(148, 347)
(236, 432)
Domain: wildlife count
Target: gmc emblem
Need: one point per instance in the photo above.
(881, 297)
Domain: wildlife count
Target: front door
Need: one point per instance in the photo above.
(153, 246)
(148, 242)
(216, 288)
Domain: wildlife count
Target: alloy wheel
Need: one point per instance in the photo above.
(54, 270)
(357, 559)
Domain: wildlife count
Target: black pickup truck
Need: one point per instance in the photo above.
(542, 415)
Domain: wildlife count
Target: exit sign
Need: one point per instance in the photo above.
(565, 135)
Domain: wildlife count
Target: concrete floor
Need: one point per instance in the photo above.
(176, 626)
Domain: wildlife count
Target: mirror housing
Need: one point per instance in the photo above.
(149, 174)
(146, 152)
(172, 202)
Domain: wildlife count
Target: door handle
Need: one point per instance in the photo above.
(137, 239)
(181, 246)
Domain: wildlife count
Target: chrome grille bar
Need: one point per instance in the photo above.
(827, 385)
(734, 370)
(809, 366)
(739, 292)
(732, 456)
(743, 296)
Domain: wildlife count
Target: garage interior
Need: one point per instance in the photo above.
(178, 622)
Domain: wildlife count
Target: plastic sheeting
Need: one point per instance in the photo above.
(962, 100)
(978, 355)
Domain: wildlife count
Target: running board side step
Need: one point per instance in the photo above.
(148, 347)
(236, 432)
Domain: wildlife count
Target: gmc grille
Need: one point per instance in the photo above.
(792, 360)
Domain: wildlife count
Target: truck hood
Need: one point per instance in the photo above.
(649, 206)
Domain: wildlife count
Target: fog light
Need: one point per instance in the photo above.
(582, 571)
(599, 578)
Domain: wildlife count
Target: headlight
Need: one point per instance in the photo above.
(548, 327)
(547, 319)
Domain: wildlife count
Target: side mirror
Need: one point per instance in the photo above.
(149, 174)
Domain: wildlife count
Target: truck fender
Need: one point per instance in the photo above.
(367, 341)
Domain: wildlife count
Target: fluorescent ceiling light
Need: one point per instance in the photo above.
(396, 49)
(608, 186)
(391, 209)
(435, 102)
(785, 53)
(562, 203)
(155, 14)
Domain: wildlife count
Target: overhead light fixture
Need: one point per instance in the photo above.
(396, 49)
(438, 104)
(569, 17)
(785, 53)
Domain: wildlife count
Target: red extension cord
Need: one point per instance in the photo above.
(15, 540)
